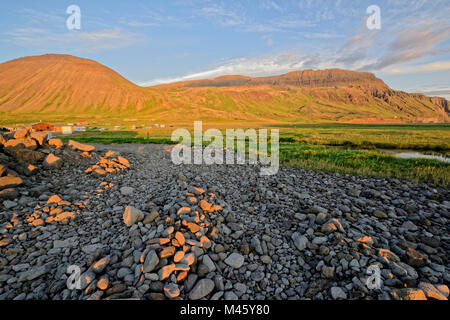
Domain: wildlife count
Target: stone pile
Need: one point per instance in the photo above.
(108, 164)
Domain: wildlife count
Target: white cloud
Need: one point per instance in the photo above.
(418, 68)
(257, 66)
(78, 41)
(432, 91)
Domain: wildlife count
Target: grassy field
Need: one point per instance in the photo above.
(343, 148)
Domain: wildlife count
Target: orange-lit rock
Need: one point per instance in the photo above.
(7, 182)
(181, 276)
(178, 256)
(167, 252)
(103, 283)
(132, 215)
(193, 227)
(408, 294)
(192, 200)
(166, 271)
(171, 290)
(416, 258)
(57, 143)
(431, 291)
(80, 147)
(388, 255)
(199, 190)
(180, 238)
(184, 210)
(163, 241)
(205, 205)
(188, 259)
(123, 161)
(52, 162)
(98, 172)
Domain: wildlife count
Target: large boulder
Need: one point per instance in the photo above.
(10, 182)
(25, 143)
(57, 143)
(20, 134)
(29, 156)
(52, 162)
(81, 147)
(40, 137)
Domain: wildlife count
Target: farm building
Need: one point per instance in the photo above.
(79, 129)
(81, 123)
(64, 129)
(40, 126)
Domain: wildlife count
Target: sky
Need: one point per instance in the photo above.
(160, 41)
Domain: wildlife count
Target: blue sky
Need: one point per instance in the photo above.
(151, 42)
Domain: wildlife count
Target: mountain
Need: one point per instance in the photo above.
(43, 87)
(306, 78)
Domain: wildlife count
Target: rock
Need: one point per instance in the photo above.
(171, 290)
(151, 261)
(132, 215)
(230, 295)
(408, 225)
(7, 182)
(266, 259)
(29, 156)
(57, 143)
(80, 147)
(245, 249)
(2, 170)
(235, 260)
(126, 191)
(9, 194)
(300, 242)
(8, 204)
(151, 217)
(52, 162)
(380, 214)
(100, 265)
(40, 137)
(328, 228)
(328, 272)
(20, 133)
(408, 294)
(32, 274)
(431, 291)
(201, 289)
(256, 245)
(338, 293)
(415, 258)
(16, 144)
(208, 263)
(99, 172)
(103, 283)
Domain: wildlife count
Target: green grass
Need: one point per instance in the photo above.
(422, 137)
(365, 163)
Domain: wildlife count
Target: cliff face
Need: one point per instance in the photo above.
(441, 102)
(306, 78)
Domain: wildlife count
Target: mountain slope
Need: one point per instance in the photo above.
(61, 84)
